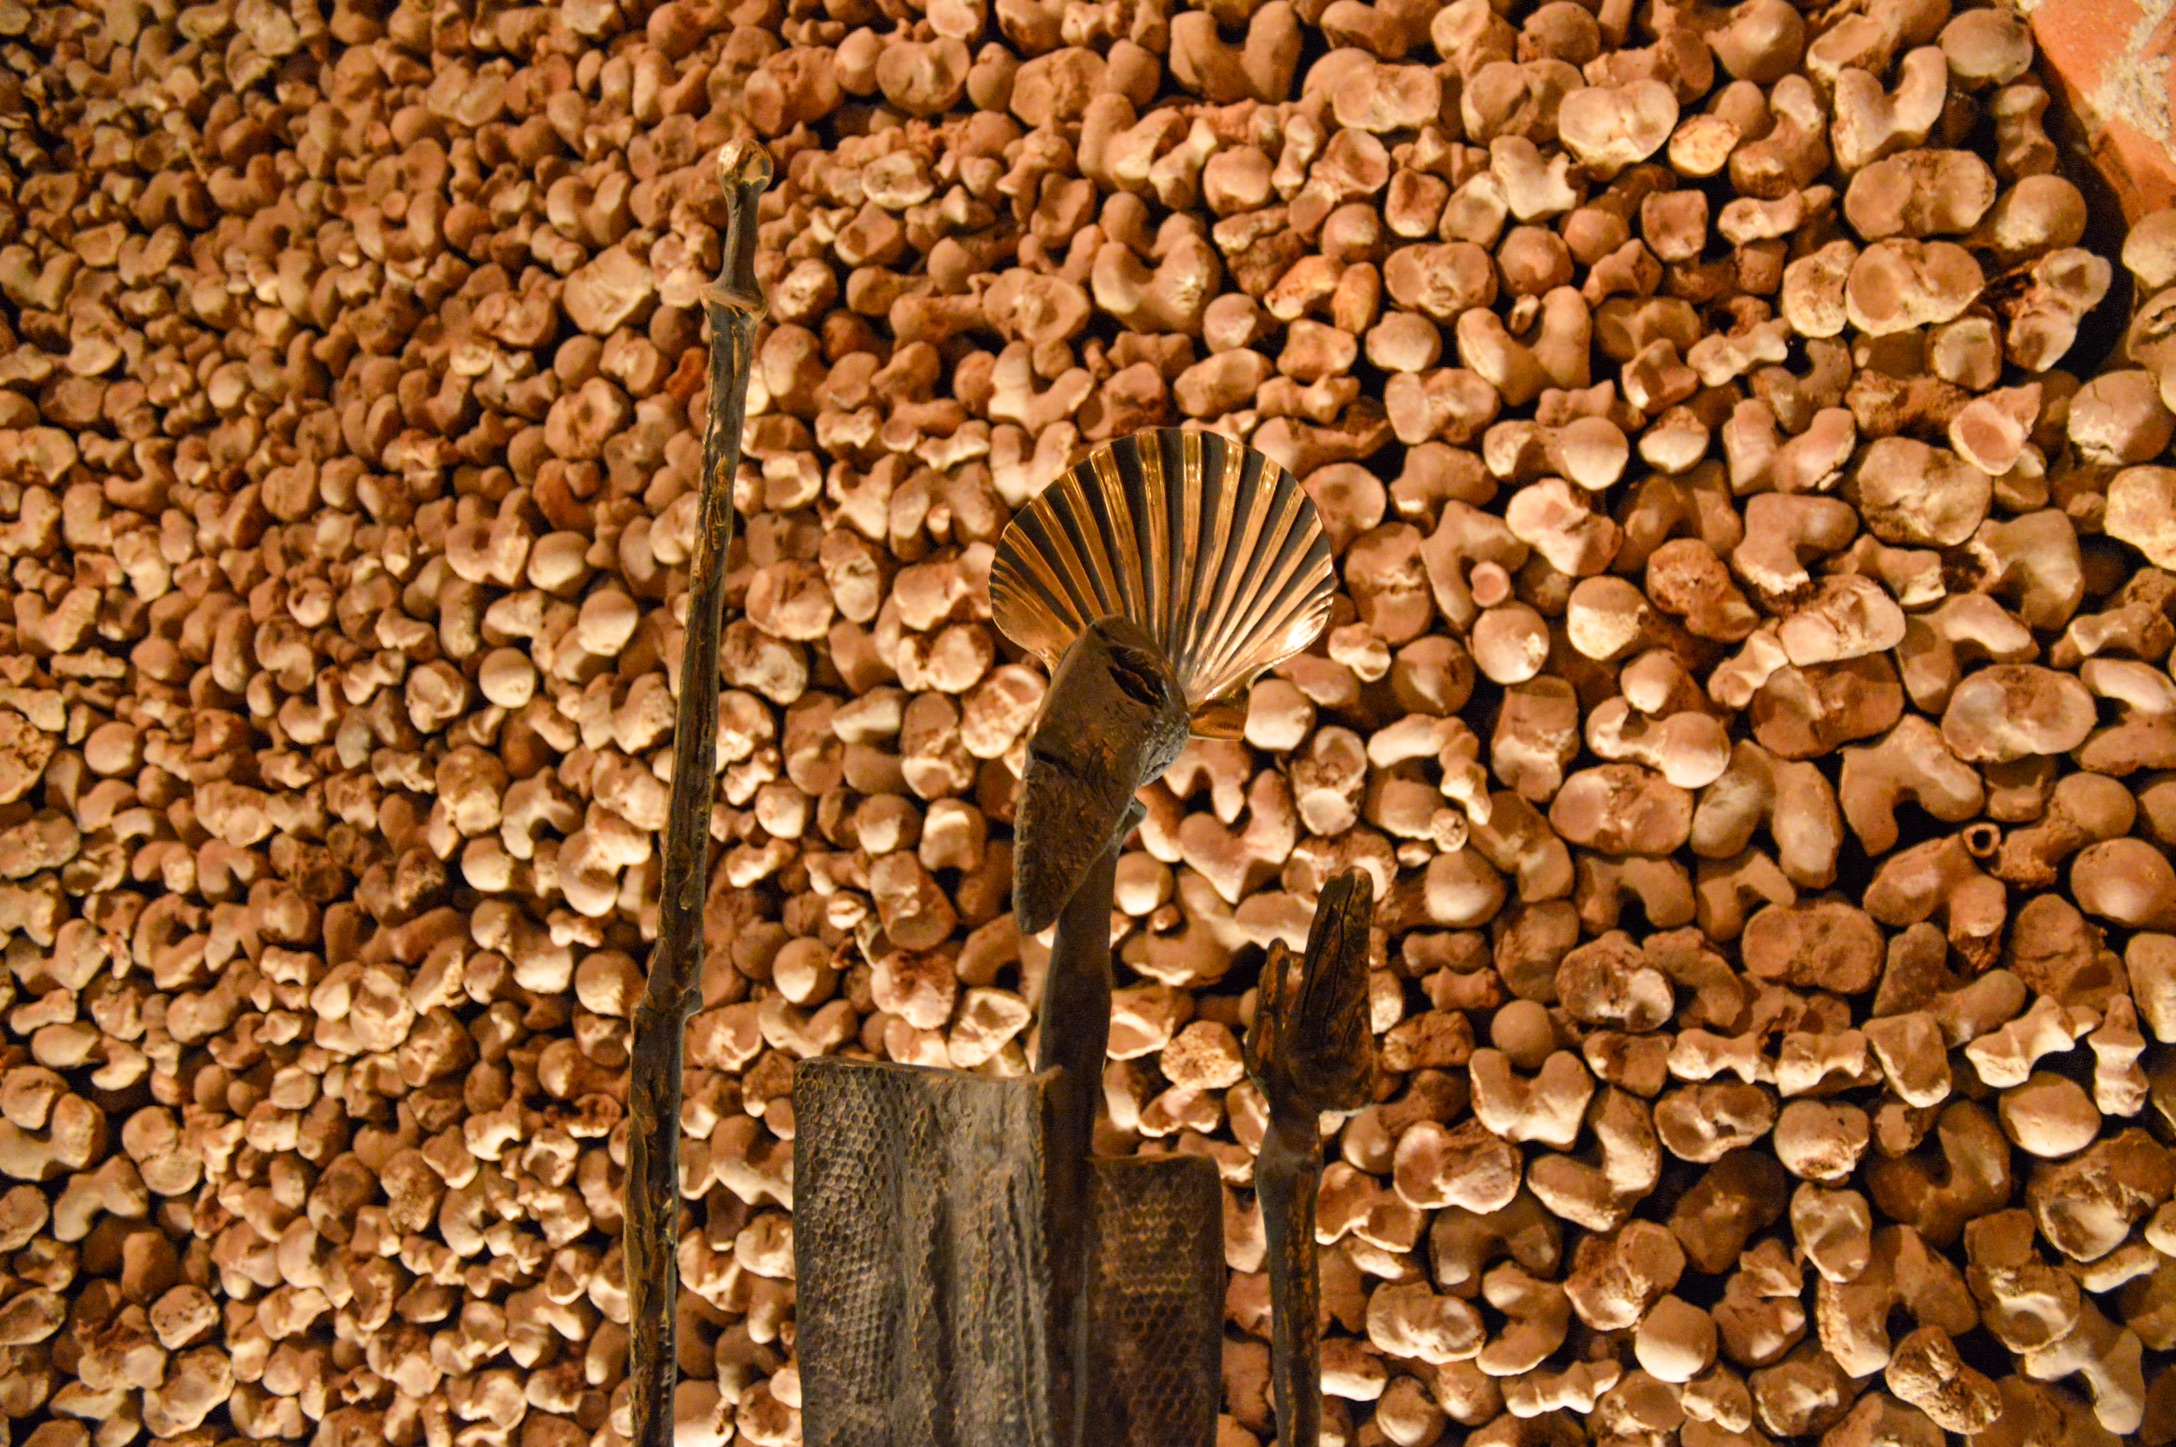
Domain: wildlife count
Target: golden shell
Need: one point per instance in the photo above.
(1214, 550)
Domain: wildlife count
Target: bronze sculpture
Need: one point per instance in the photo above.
(970, 1274)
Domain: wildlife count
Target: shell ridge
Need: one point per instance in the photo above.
(1236, 627)
(1173, 512)
(1180, 513)
(1188, 504)
(1024, 577)
(1118, 529)
(1070, 573)
(1228, 563)
(1240, 590)
(1282, 631)
(1099, 569)
(1143, 561)
(1209, 505)
(1295, 567)
(1118, 525)
(1150, 500)
(1264, 628)
(1285, 558)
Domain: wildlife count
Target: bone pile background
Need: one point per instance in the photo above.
(1748, 689)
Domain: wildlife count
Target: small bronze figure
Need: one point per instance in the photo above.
(1310, 1052)
(652, 1233)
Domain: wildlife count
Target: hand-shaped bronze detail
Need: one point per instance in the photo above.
(1310, 1051)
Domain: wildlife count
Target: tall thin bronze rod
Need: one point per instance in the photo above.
(651, 1236)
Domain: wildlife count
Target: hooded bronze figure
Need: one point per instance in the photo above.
(1115, 717)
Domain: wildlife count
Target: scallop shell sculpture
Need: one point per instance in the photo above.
(1207, 545)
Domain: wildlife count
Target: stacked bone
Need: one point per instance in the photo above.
(1749, 691)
